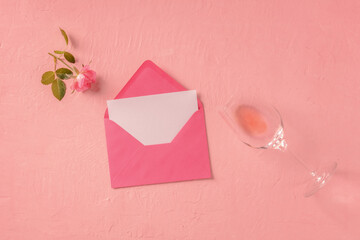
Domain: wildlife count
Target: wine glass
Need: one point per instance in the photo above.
(260, 126)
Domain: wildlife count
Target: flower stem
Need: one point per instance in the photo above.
(60, 60)
(55, 63)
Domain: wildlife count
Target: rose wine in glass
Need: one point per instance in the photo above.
(260, 126)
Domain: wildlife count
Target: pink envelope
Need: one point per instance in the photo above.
(185, 158)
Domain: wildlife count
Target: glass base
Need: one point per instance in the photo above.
(320, 178)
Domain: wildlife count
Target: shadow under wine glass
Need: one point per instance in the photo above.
(260, 126)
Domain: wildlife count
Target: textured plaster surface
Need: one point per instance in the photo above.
(301, 56)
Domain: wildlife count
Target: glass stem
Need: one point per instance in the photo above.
(279, 143)
(299, 160)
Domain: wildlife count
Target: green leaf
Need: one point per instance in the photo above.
(65, 36)
(48, 77)
(64, 73)
(58, 88)
(59, 52)
(69, 57)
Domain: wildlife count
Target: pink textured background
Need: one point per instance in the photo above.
(302, 56)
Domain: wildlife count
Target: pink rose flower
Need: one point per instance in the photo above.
(84, 79)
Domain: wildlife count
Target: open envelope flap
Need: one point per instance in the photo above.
(149, 79)
(154, 119)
